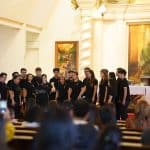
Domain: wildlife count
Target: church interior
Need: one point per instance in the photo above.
(76, 70)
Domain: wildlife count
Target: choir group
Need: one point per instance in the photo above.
(24, 89)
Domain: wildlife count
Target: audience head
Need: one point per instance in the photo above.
(3, 77)
(75, 75)
(68, 107)
(142, 112)
(33, 114)
(70, 75)
(29, 77)
(15, 74)
(55, 130)
(110, 139)
(86, 71)
(16, 79)
(23, 72)
(38, 71)
(44, 78)
(107, 116)
(56, 72)
(81, 109)
(146, 136)
(104, 74)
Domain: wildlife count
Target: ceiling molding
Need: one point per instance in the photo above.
(10, 23)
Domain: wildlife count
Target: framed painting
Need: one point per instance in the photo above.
(139, 51)
(66, 55)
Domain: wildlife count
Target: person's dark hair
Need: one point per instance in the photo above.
(23, 69)
(67, 105)
(110, 139)
(15, 73)
(92, 77)
(146, 136)
(122, 71)
(105, 72)
(81, 108)
(56, 69)
(55, 130)
(16, 76)
(87, 68)
(29, 74)
(70, 71)
(112, 76)
(33, 114)
(3, 74)
(38, 69)
(75, 72)
(93, 114)
(107, 117)
(44, 75)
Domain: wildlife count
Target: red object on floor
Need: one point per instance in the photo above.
(131, 115)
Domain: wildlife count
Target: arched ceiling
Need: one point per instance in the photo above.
(35, 12)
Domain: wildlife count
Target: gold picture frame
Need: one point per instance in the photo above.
(66, 55)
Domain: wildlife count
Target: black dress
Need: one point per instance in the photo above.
(76, 87)
(62, 90)
(102, 89)
(55, 81)
(112, 90)
(17, 98)
(30, 98)
(89, 89)
(120, 108)
(37, 81)
(3, 91)
(42, 94)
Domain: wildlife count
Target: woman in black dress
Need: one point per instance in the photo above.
(29, 92)
(62, 90)
(14, 99)
(43, 90)
(91, 84)
(103, 87)
(112, 88)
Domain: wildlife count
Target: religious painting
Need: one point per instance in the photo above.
(139, 51)
(66, 55)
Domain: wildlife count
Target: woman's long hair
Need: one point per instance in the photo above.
(105, 72)
(92, 79)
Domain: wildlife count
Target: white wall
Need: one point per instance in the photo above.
(63, 25)
(12, 48)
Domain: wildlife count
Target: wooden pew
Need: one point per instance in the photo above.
(133, 146)
(128, 138)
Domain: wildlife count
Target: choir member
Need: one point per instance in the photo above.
(14, 99)
(76, 89)
(112, 88)
(91, 85)
(29, 92)
(23, 75)
(37, 80)
(62, 90)
(3, 86)
(123, 97)
(13, 74)
(54, 83)
(70, 77)
(86, 72)
(103, 87)
(42, 97)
